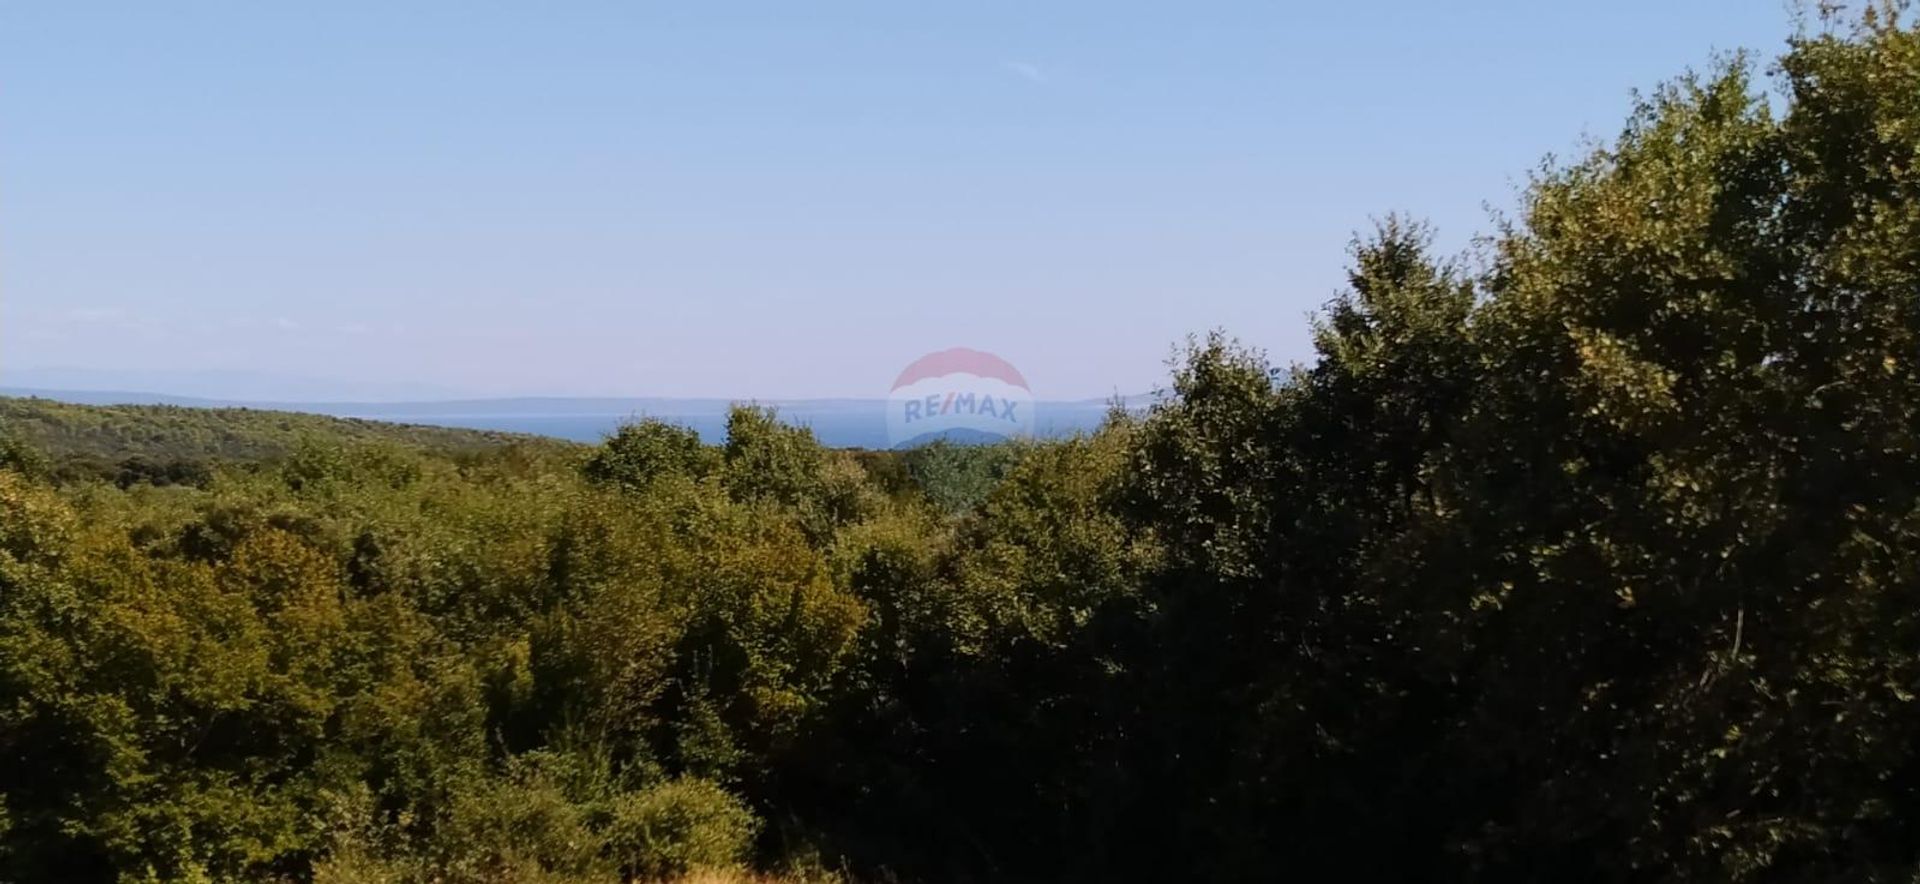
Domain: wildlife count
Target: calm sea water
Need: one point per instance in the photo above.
(838, 427)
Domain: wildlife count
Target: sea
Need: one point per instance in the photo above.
(837, 426)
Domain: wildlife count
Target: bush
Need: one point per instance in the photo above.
(679, 826)
(17, 455)
(639, 453)
(955, 477)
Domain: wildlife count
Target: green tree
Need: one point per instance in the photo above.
(638, 453)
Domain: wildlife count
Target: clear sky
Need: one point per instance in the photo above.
(773, 200)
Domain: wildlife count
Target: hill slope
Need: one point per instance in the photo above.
(65, 432)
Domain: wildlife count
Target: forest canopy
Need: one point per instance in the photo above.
(1591, 555)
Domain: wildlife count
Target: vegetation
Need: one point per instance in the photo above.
(1594, 558)
(168, 444)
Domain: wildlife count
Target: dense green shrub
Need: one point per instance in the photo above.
(638, 453)
(679, 826)
(957, 478)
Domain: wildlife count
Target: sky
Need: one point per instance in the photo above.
(754, 200)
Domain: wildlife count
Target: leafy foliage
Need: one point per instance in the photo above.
(1595, 558)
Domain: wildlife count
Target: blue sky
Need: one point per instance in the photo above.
(767, 200)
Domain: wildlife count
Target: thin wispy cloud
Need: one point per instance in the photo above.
(1027, 71)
